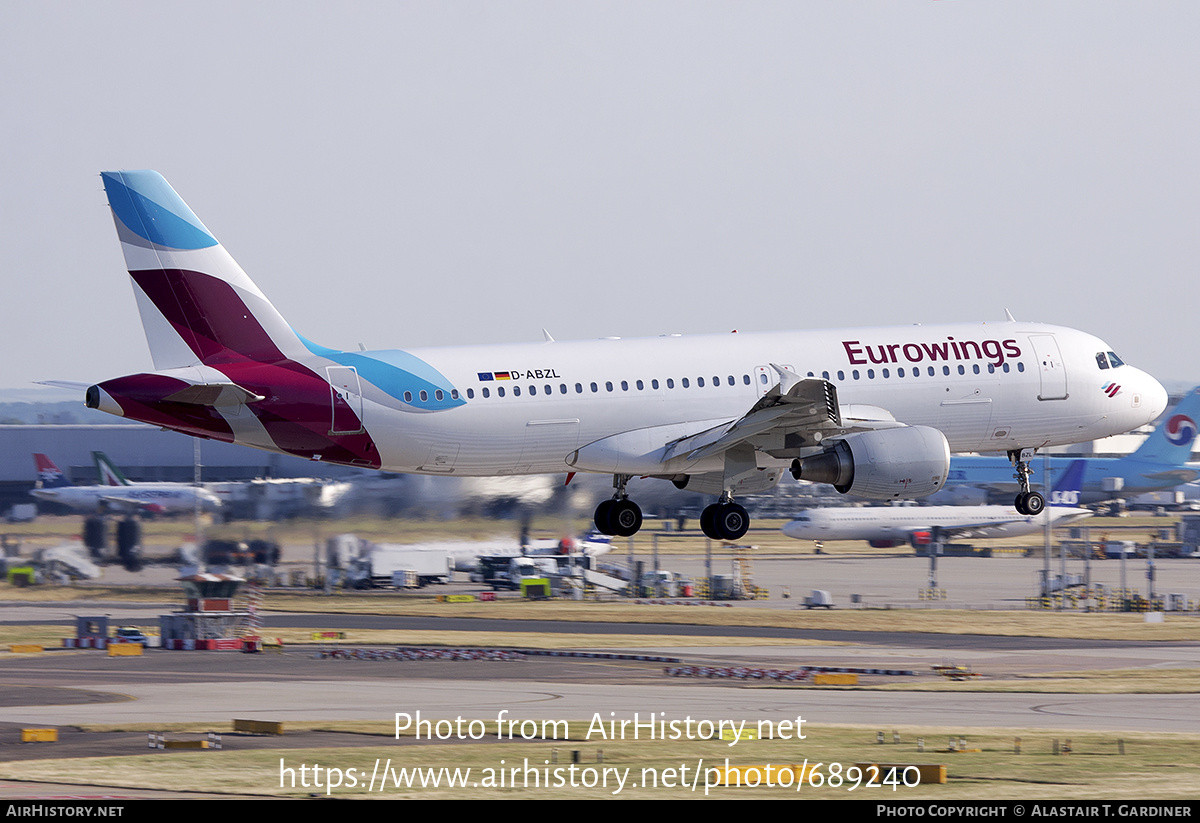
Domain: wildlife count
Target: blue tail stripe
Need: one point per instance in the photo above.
(147, 205)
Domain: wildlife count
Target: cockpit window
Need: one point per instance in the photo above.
(1102, 360)
(1116, 361)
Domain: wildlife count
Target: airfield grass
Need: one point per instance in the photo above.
(1152, 767)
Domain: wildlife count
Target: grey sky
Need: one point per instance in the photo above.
(410, 174)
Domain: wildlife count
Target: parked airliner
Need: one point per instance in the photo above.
(887, 526)
(875, 412)
(115, 493)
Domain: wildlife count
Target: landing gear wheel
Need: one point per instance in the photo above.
(706, 522)
(724, 521)
(602, 517)
(624, 518)
(1019, 503)
(732, 521)
(1034, 503)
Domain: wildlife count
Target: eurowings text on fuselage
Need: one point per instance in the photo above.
(874, 411)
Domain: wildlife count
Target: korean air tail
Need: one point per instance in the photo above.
(197, 305)
(108, 473)
(1065, 493)
(49, 475)
(1171, 443)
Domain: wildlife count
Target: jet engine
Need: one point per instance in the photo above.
(888, 464)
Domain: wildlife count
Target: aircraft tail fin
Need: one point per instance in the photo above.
(1171, 443)
(1066, 490)
(196, 303)
(49, 475)
(108, 473)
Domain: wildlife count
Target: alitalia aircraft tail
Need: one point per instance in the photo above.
(196, 303)
(108, 473)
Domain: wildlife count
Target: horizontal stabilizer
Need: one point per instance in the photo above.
(214, 394)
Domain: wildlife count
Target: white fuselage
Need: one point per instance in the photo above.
(561, 396)
(166, 497)
(899, 523)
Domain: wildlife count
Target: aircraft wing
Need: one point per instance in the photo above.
(124, 504)
(1178, 476)
(795, 405)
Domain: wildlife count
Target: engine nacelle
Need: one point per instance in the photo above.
(889, 464)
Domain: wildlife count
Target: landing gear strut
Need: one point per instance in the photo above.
(1027, 502)
(619, 516)
(724, 520)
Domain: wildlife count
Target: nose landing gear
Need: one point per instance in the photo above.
(1027, 502)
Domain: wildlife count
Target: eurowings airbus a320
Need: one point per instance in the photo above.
(875, 412)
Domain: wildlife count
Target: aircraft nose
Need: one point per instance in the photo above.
(1154, 397)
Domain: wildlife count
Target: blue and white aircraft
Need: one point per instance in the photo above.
(1159, 463)
(875, 412)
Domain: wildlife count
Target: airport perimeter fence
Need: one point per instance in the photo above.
(1102, 599)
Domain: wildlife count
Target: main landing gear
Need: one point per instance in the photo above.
(724, 520)
(1027, 502)
(619, 516)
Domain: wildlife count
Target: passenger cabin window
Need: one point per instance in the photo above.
(486, 393)
(516, 391)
